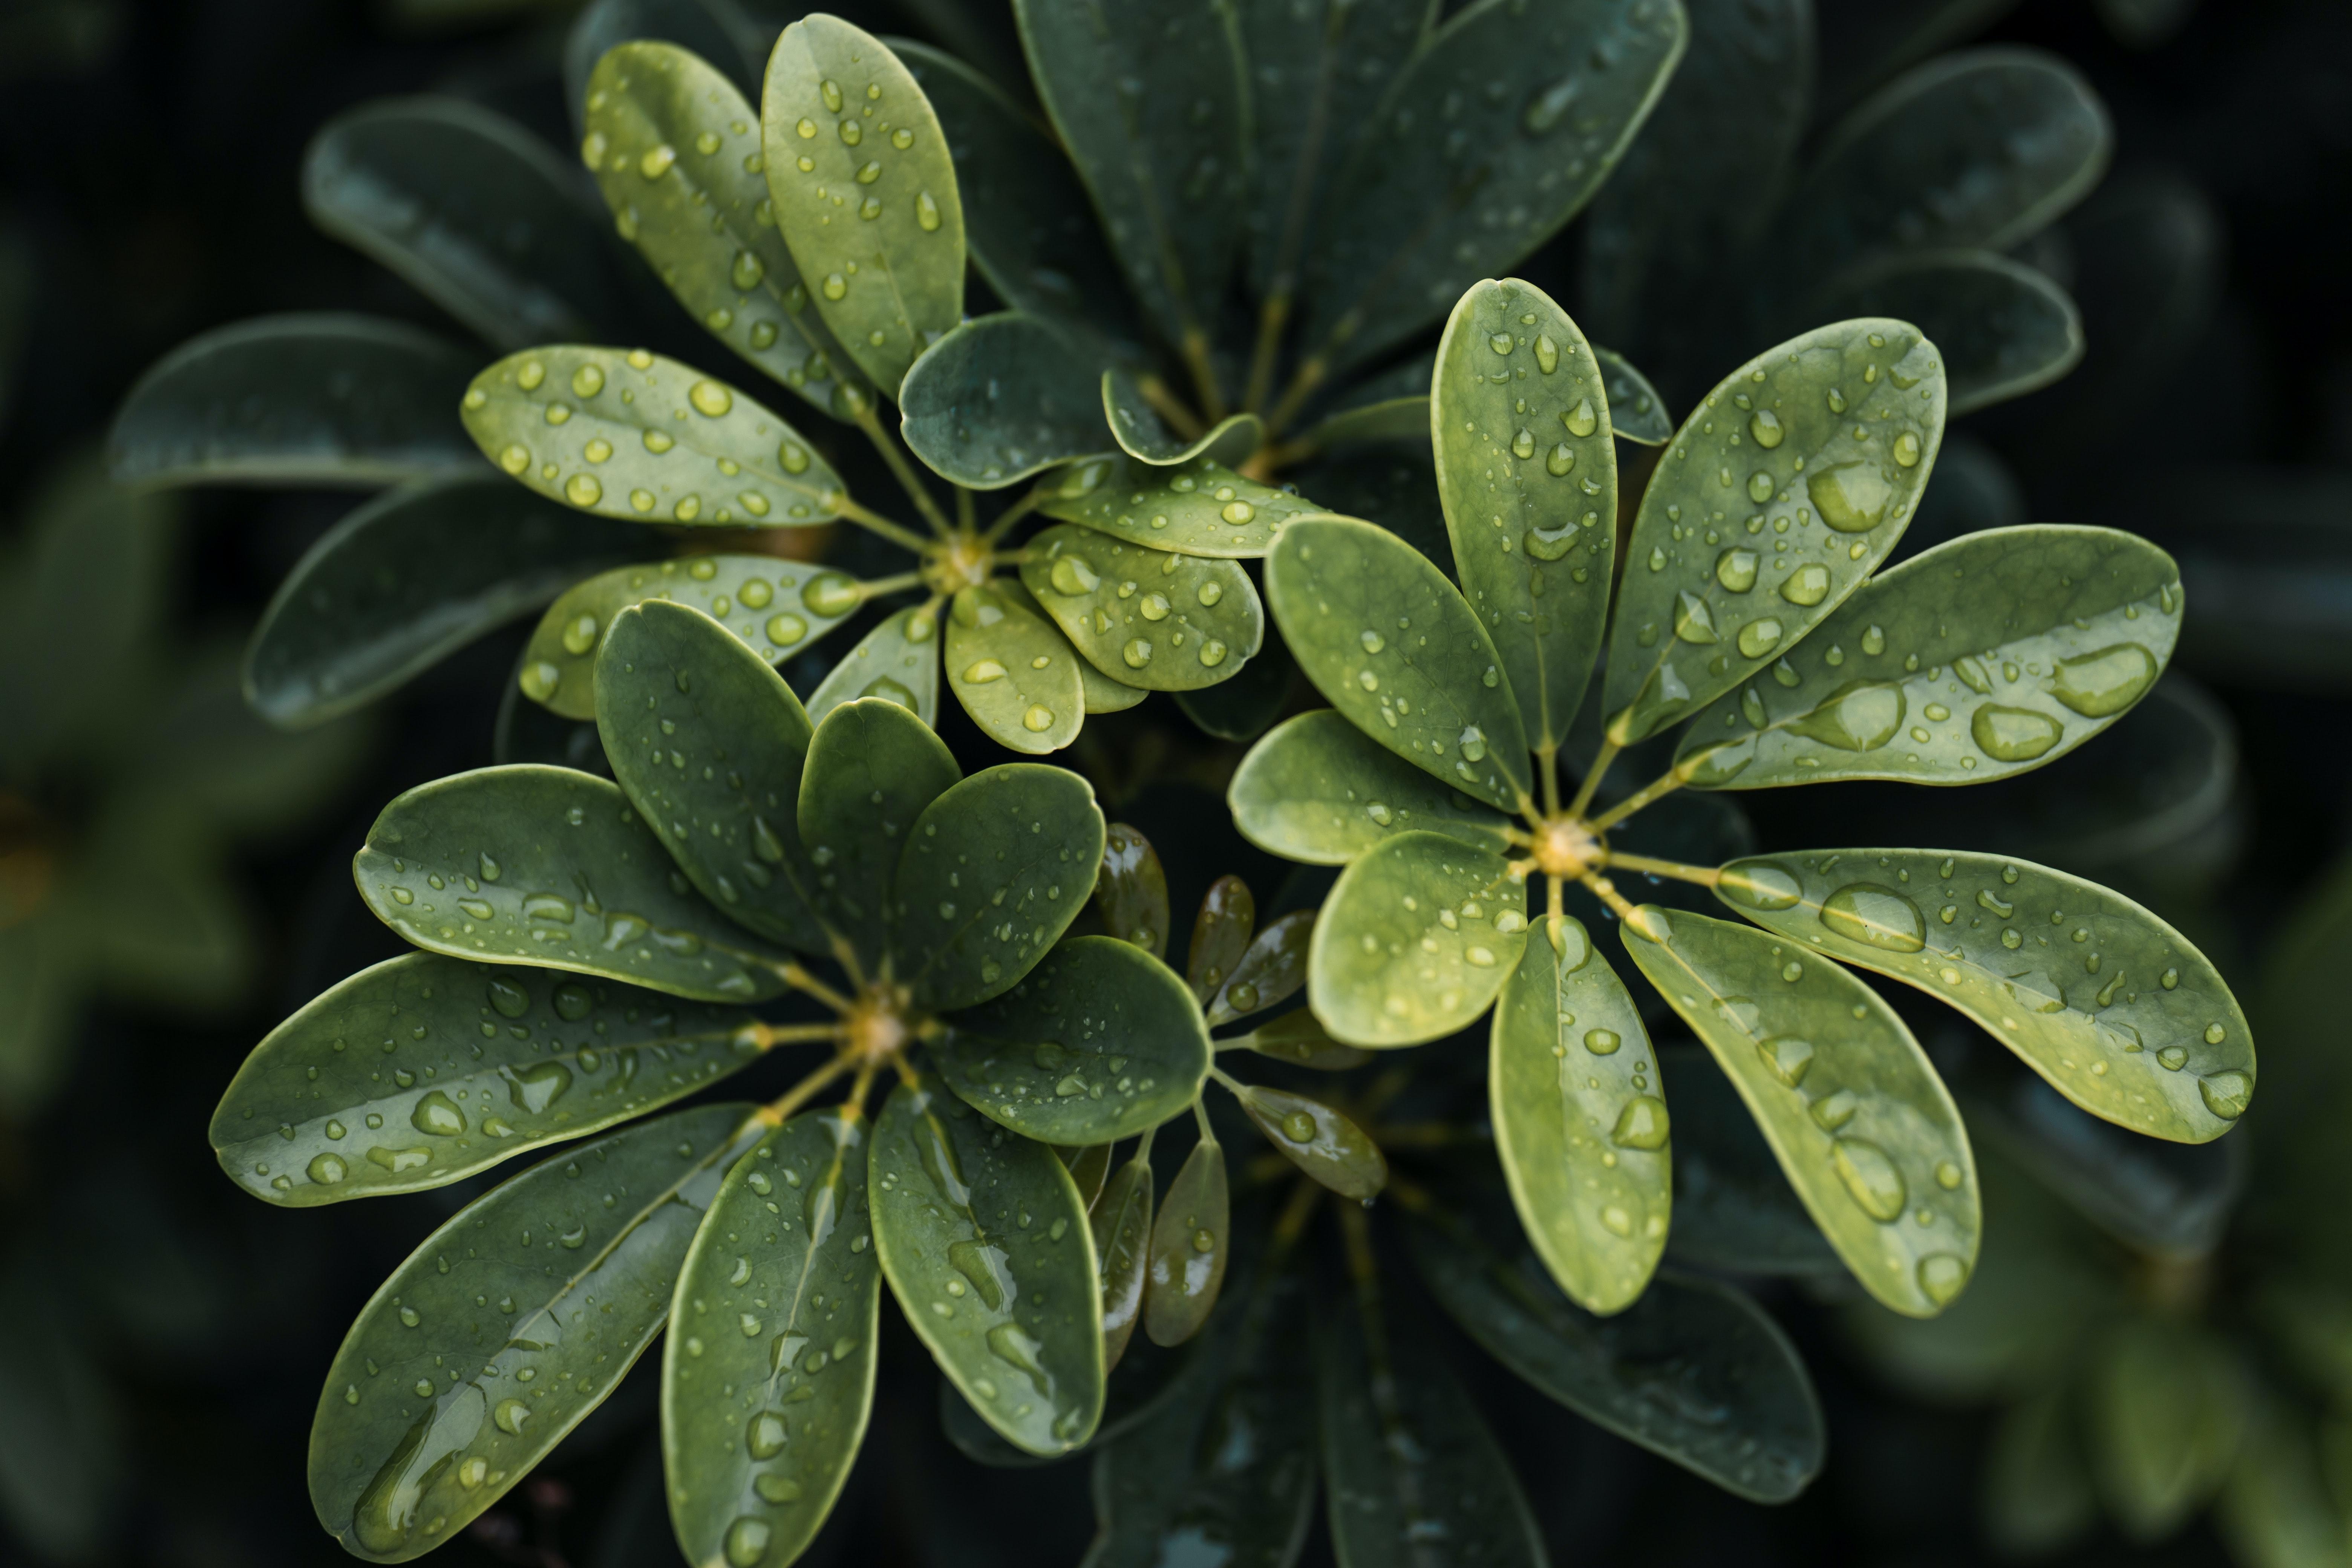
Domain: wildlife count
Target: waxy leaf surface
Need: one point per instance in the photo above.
(1317, 789)
(1195, 508)
(2005, 328)
(1415, 940)
(1221, 934)
(1131, 891)
(1121, 1223)
(872, 769)
(1636, 412)
(1144, 435)
(1148, 618)
(1318, 1139)
(1191, 1241)
(897, 660)
(1014, 673)
(1268, 972)
(998, 399)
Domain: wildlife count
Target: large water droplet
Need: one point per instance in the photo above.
(1760, 885)
(1860, 716)
(2109, 682)
(1641, 1124)
(1941, 1275)
(1870, 1178)
(1876, 917)
(438, 1115)
(1852, 498)
(1788, 1057)
(2226, 1093)
(2013, 735)
(747, 1542)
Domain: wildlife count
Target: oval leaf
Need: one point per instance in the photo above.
(1012, 671)
(997, 400)
(1269, 972)
(1147, 618)
(1190, 1243)
(1131, 891)
(897, 661)
(1221, 934)
(1300, 1039)
(1317, 789)
(1240, 708)
(1122, 1234)
(2005, 328)
(1734, 1211)
(1318, 1140)
(872, 769)
(1416, 939)
(1197, 508)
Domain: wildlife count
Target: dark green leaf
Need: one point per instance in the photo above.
(61, 1430)
(1734, 1212)
(1142, 435)
(1197, 508)
(1089, 1168)
(1272, 969)
(1191, 1241)
(2005, 328)
(2037, 1494)
(714, 31)
(172, 927)
(1013, 670)
(42, 975)
(1318, 1139)
(2165, 1415)
(1864, 42)
(1636, 412)
(1131, 891)
(998, 399)
(1148, 1378)
(1300, 1039)
(1240, 708)
(1121, 1225)
(2281, 1502)
(872, 770)
(1221, 934)
(1317, 789)
(1394, 419)
(897, 660)
(1146, 617)
(1417, 937)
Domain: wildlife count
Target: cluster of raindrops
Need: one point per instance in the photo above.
(1535, 437)
(870, 194)
(1150, 607)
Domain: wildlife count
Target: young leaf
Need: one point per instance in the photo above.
(628, 434)
(1636, 412)
(1299, 1038)
(1989, 655)
(987, 1249)
(676, 150)
(993, 871)
(1393, 419)
(1098, 1042)
(1318, 1140)
(1416, 938)
(475, 211)
(1317, 789)
(1190, 1243)
(1528, 474)
(1864, 1128)
(1581, 1125)
(511, 1323)
(1221, 934)
(897, 661)
(1122, 1230)
(521, 1058)
(872, 769)
(1827, 438)
(296, 400)
(1012, 671)
(2165, 1414)
(544, 865)
(999, 399)
(1131, 891)
(1390, 644)
(1197, 508)
(768, 1370)
(1146, 617)
(408, 579)
(1142, 435)
(849, 134)
(2102, 998)
(1270, 970)
(2005, 328)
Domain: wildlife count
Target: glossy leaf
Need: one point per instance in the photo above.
(1579, 1115)
(2100, 997)
(872, 768)
(899, 660)
(1864, 1128)
(1271, 970)
(1198, 508)
(1012, 1310)
(544, 865)
(848, 133)
(2164, 1414)
(632, 435)
(1734, 1211)
(998, 399)
(2005, 328)
(1131, 891)
(1317, 789)
(1416, 939)
(1121, 1225)
(1318, 1139)
(1191, 1241)
(511, 1323)
(1989, 655)
(768, 1371)
(408, 579)
(1528, 474)
(296, 400)
(494, 1059)
(475, 212)
(1099, 1042)
(1142, 435)
(1151, 1379)
(1147, 618)
(1393, 646)
(1299, 1038)
(1221, 934)
(1636, 412)
(993, 871)
(1014, 673)
(1711, 595)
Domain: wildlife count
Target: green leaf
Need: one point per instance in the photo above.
(296, 400)
(41, 981)
(1191, 1241)
(475, 212)
(1528, 476)
(1989, 655)
(1121, 1225)
(1828, 439)
(1240, 708)
(1864, 1128)
(1495, 133)
(768, 1371)
(1197, 508)
(2037, 1494)
(2100, 997)
(1694, 1371)
(1393, 419)
(676, 150)
(544, 865)
(1152, 1378)
(897, 661)
(1131, 891)
(1100, 1041)
(2277, 1506)
(1148, 618)
(715, 31)
(1221, 934)
(406, 580)
(1317, 789)
(1270, 971)
(1012, 671)
(1636, 412)
(1416, 939)
(494, 1059)
(710, 743)
(849, 134)
(1142, 435)
(995, 870)
(511, 1323)
(2005, 328)
(1870, 43)
(1089, 1168)
(777, 607)
(986, 1247)
(1299, 1038)
(871, 770)
(1104, 695)
(632, 435)
(999, 399)
(1346, 596)
(1734, 1212)
(1318, 1139)
(2166, 1413)
(177, 931)
(1581, 1125)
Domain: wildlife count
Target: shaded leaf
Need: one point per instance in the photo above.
(1089, 1168)
(1299, 1038)
(1416, 939)
(2037, 1494)
(1220, 933)
(177, 928)
(42, 975)
(1318, 1139)
(1191, 1241)
(1104, 695)
(1131, 891)
(998, 399)
(1317, 789)
(1013, 671)
(1864, 42)
(1393, 419)
(2165, 1413)
(1151, 1378)
(1636, 412)
(1272, 969)
(1197, 508)
(897, 661)
(872, 769)
(1142, 435)
(2005, 328)
(1241, 708)
(714, 31)
(1121, 1225)
(61, 1433)
(2275, 1507)
(1147, 618)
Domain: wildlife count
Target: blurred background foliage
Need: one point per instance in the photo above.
(2154, 1364)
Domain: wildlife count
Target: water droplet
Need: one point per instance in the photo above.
(980, 672)
(1735, 570)
(747, 1542)
(1860, 716)
(1546, 354)
(438, 1115)
(656, 162)
(1759, 638)
(1580, 420)
(1876, 917)
(2013, 735)
(1808, 585)
(1850, 496)
(587, 381)
(1941, 1275)
(580, 634)
(327, 1169)
(582, 489)
(1787, 1056)
(1948, 1175)
(1907, 449)
(1760, 487)
(1299, 1127)
(927, 212)
(830, 595)
(1038, 719)
(2227, 1093)
(1641, 1124)
(1870, 1178)
(2109, 682)
(709, 398)
(1764, 426)
(510, 1416)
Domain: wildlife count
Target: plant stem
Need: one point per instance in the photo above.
(775, 1035)
(1656, 789)
(881, 586)
(1591, 781)
(1233, 1086)
(775, 1112)
(1606, 891)
(808, 985)
(1204, 374)
(1552, 906)
(1013, 514)
(915, 489)
(1548, 763)
(1201, 1115)
(966, 519)
(1302, 386)
(897, 533)
(1704, 876)
(1171, 407)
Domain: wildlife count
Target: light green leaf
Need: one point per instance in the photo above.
(452, 1067)
(1197, 508)
(676, 150)
(2165, 1415)
(899, 661)
(1192, 1242)
(1581, 1125)
(1121, 1225)
(1104, 695)
(475, 212)
(1495, 133)
(1636, 412)
(768, 1371)
(1099, 1042)
(1864, 1128)
(849, 135)
(406, 580)
(2037, 1494)
(632, 435)
(986, 1247)
(1393, 646)
(1989, 655)
(710, 743)
(1131, 891)
(1416, 938)
(1528, 474)
(511, 1323)
(296, 400)
(2100, 997)
(999, 399)
(715, 31)
(993, 872)
(1318, 1139)
(1147, 618)
(1142, 435)
(544, 865)
(2005, 328)
(872, 770)
(1317, 789)
(1784, 488)
(1012, 671)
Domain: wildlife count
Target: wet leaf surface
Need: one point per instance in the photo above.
(1319, 1141)
(1197, 508)
(1121, 1225)
(1013, 670)
(1415, 940)
(899, 660)
(1131, 891)
(2005, 328)
(1142, 435)
(1734, 1211)
(1317, 789)
(1148, 618)
(1192, 1242)
(872, 768)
